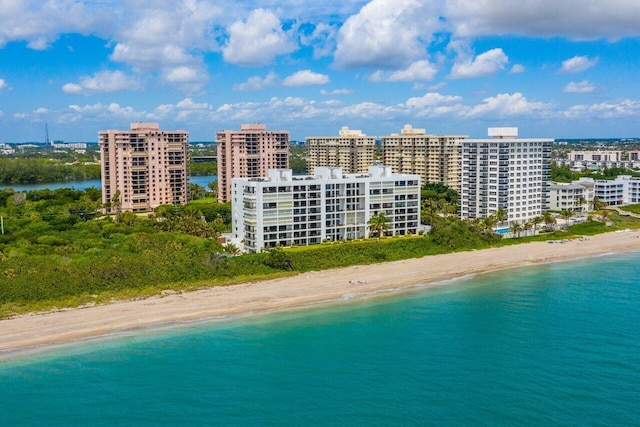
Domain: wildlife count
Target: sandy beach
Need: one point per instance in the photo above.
(291, 292)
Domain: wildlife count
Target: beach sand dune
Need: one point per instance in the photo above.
(296, 291)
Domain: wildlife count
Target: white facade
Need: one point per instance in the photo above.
(564, 196)
(633, 191)
(624, 190)
(70, 145)
(6, 149)
(505, 172)
(287, 210)
(610, 192)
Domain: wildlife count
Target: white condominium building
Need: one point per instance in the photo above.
(286, 210)
(623, 190)
(505, 172)
(436, 158)
(351, 150)
(147, 166)
(576, 196)
(611, 192)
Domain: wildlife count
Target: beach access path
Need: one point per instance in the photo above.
(291, 292)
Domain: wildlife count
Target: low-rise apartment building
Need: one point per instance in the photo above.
(575, 196)
(285, 210)
(624, 190)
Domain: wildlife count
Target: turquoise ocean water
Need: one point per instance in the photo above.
(556, 344)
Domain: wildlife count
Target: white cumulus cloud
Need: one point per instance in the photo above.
(40, 23)
(388, 34)
(147, 58)
(190, 78)
(322, 39)
(578, 64)
(576, 19)
(584, 86)
(305, 78)
(105, 81)
(517, 69)
(605, 110)
(421, 70)
(3, 84)
(257, 41)
(506, 104)
(101, 113)
(258, 83)
(432, 99)
(336, 92)
(484, 64)
(189, 104)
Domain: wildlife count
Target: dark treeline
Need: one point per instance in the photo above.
(203, 168)
(563, 173)
(35, 171)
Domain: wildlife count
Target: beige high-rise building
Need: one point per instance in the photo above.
(436, 158)
(147, 166)
(249, 153)
(351, 150)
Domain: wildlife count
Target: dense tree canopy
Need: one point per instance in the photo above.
(34, 171)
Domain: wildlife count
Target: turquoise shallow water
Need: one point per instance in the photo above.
(557, 344)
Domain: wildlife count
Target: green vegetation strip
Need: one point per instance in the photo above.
(56, 253)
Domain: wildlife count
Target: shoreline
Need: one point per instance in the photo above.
(37, 330)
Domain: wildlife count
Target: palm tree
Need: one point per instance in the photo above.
(527, 226)
(516, 229)
(580, 202)
(432, 208)
(116, 204)
(489, 223)
(548, 219)
(536, 221)
(379, 224)
(477, 224)
(597, 204)
(566, 215)
(232, 249)
(501, 215)
(449, 208)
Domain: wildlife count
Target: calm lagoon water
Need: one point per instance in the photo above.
(556, 344)
(83, 185)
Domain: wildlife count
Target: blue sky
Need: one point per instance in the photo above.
(554, 68)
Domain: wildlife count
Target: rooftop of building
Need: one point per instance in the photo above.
(329, 173)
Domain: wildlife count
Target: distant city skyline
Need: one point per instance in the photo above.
(553, 68)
